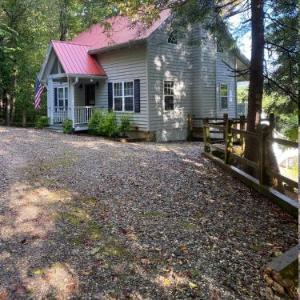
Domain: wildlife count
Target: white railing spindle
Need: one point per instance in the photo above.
(83, 114)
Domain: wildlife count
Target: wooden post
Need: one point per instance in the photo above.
(228, 140)
(225, 117)
(272, 121)
(261, 157)
(206, 136)
(242, 127)
(190, 127)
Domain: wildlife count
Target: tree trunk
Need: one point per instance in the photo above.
(256, 76)
(8, 108)
(63, 21)
(13, 96)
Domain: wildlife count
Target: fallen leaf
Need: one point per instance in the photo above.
(95, 250)
(192, 285)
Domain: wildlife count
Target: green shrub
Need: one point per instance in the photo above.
(67, 126)
(108, 125)
(41, 122)
(125, 125)
(103, 123)
(94, 121)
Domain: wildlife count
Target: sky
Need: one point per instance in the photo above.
(243, 42)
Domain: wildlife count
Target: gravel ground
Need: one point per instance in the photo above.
(87, 218)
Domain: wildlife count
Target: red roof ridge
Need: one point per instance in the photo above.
(122, 31)
(69, 42)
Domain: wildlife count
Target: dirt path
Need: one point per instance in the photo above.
(86, 218)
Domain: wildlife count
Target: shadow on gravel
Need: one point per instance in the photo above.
(114, 221)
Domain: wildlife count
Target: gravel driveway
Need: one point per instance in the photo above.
(87, 218)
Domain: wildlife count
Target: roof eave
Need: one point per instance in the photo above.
(62, 75)
(117, 46)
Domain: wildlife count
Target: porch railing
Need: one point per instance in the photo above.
(60, 114)
(83, 114)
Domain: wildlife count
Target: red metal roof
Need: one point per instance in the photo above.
(75, 59)
(122, 31)
(74, 55)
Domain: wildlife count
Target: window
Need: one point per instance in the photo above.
(172, 38)
(61, 97)
(169, 95)
(123, 96)
(224, 96)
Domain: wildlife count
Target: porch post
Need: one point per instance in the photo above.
(71, 115)
(50, 100)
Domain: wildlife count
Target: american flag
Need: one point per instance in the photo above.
(38, 94)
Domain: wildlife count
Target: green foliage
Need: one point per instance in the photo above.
(125, 125)
(285, 112)
(283, 49)
(108, 125)
(68, 126)
(242, 94)
(94, 121)
(104, 123)
(42, 122)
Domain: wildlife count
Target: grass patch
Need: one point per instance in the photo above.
(153, 214)
(112, 249)
(88, 231)
(188, 225)
(76, 216)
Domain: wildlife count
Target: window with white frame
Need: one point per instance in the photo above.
(224, 95)
(123, 96)
(169, 95)
(61, 97)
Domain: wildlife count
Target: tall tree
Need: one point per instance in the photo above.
(256, 77)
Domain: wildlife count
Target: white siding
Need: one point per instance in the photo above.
(204, 74)
(126, 65)
(50, 100)
(226, 75)
(168, 62)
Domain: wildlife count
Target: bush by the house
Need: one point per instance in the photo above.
(104, 123)
(42, 122)
(108, 125)
(125, 125)
(67, 126)
(95, 121)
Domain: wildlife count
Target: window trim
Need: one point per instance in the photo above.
(220, 96)
(66, 94)
(123, 96)
(164, 95)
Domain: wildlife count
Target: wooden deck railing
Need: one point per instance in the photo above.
(224, 139)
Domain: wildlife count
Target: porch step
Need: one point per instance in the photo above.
(55, 128)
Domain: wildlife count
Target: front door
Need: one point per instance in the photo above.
(61, 103)
(90, 95)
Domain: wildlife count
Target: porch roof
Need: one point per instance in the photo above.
(75, 59)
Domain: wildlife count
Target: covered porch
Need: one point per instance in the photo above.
(74, 98)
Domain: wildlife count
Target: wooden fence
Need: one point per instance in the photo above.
(224, 141)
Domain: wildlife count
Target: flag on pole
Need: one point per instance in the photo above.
(38, 94)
